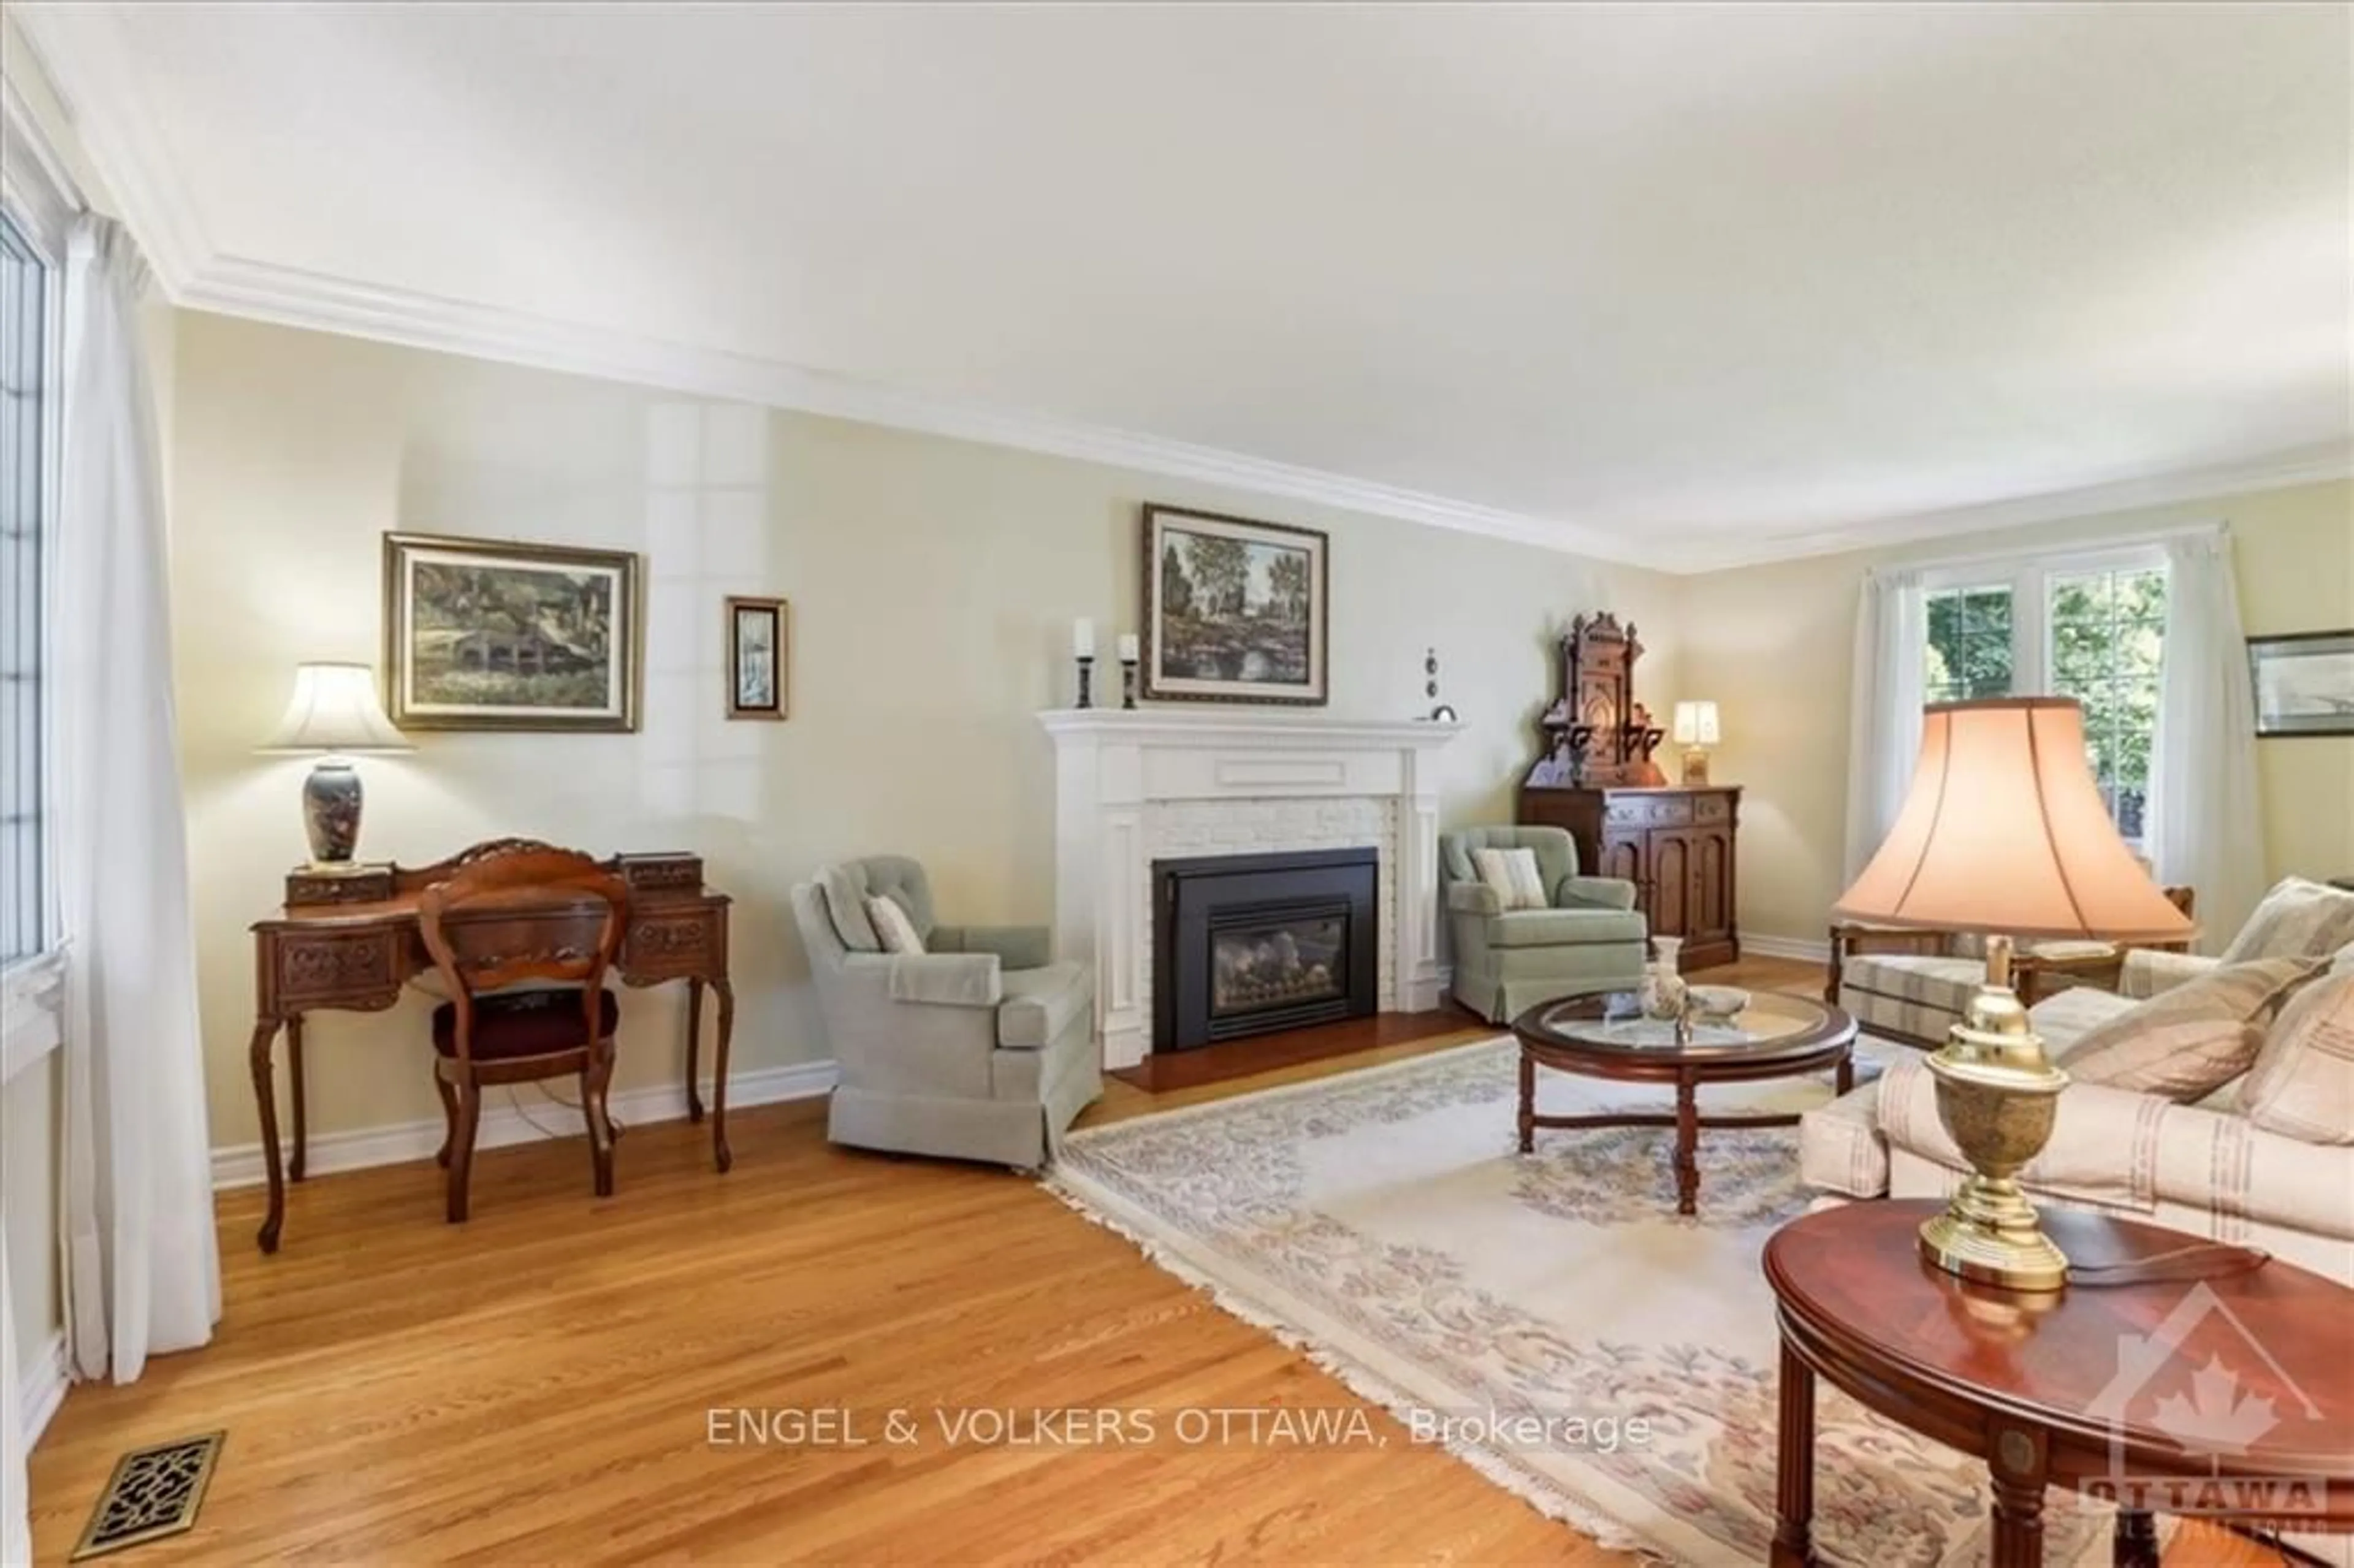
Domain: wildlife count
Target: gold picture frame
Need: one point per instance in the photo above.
(494, 634)
(1235, 610)
(759, 657)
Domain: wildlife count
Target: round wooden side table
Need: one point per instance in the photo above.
(2227, 1396)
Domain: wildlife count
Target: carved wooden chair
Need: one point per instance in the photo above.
(522, 938)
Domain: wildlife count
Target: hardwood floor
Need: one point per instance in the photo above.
(538, 1385)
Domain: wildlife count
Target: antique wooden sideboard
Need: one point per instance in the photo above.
(1675, 845)
(348, 941)
(1596, 778)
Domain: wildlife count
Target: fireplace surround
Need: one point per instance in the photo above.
(1253, 943)
(1140, 785)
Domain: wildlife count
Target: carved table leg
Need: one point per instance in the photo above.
(1687, 1145)
(695, 1050)
(1843, 1079)
(299, 1091)
(2135, 1545)
(720, 1155)
(1528, 1103)
(1793, 1466)
(2017, 1468)
(265, 1101)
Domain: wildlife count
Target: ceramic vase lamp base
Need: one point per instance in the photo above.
(1998, 1093)
(331, 815)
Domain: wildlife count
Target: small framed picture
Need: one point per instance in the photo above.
(757, 667)
(2304, 683)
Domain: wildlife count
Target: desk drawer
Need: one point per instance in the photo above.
(340, 968)
(665, 944)
(1671, 811)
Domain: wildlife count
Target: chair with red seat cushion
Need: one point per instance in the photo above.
(531, 916)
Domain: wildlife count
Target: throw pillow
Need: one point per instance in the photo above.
(891, 924)
(2303, 1082)
(2296, 919)
(2187, 1041)
(1512, 874)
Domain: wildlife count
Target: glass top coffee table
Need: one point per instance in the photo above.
(1606, 1036)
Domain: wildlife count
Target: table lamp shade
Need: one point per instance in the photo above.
(2004, 832)
(1696, 723)
(335, 709)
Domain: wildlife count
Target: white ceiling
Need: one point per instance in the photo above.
(1682, 284)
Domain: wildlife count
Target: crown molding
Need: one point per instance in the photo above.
(2317, 464)
(82, 49)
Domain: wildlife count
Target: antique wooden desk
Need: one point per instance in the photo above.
(348, 941)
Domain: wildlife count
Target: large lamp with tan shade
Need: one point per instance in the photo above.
(2004, 832)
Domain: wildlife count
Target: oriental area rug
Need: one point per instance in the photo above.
(1529, 1311)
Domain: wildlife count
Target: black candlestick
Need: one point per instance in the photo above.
(1128, 683)
(1087, 681)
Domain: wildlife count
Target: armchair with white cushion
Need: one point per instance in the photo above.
(1583, 935)
(979, 1046)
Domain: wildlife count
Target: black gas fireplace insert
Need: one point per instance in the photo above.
(1246, 944)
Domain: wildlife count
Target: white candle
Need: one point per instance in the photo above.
(1128, 647)
(1083, 638)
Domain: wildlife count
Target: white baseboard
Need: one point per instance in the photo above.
(1764, 947)
(239, 1165)
(47, 1374)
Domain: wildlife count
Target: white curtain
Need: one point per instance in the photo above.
(16, 1526)
(1883, 736)
(141, 1273)
(2206, 820)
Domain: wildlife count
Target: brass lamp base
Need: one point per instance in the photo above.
(1998, 1093)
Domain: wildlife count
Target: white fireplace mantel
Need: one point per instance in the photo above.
(1115, 768)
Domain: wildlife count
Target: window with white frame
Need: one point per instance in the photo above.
(25, 412)
(2089, 626)
(38, 210)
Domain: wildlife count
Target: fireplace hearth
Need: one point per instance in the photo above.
(1249, 944)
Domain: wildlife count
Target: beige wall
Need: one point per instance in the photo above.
(933, 583)
(1775, 646)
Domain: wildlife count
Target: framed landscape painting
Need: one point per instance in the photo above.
(757, 666)
(1234, 611)
(2304, 683)
(483, 634)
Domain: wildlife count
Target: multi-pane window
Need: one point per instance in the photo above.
(25, 412)
(1969, 644)
(2106, 629)
(2088, 629)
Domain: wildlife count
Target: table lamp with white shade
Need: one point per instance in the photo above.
(2005, 832)
(1696, 730)
(333, 711)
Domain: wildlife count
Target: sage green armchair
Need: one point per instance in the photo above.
(1507, 961)
(980, 1047)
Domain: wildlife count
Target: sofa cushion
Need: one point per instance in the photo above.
(1840, 1146)
(1511, 874)
(2186, 1043)
(1041, 1003)
(1563, 928)
(2296, 919)
(897, 932)
(1910, 994)
(2067, 1016)
(2303, 1082)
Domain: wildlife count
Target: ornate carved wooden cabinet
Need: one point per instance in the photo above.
(1596, 778)
(1675, 845)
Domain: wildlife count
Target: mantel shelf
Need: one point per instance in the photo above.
(1229, 729)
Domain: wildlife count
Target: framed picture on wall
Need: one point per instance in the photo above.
(488, 634)
(1234, 611)
(2304, 683)
(757, 658)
